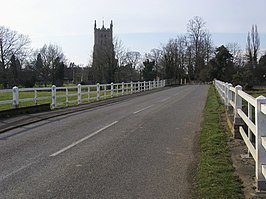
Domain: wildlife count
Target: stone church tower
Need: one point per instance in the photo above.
(104, 64)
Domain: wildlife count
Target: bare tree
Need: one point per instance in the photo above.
(182, 45)
(208, 50)
(132, 59)
(11, 43)
(253, 46)
(120, 51)
(175, 59)
(237, 54)
(170, 59)
(120, 54)
(51, 55)
(156, 55)
(255, 43)
(200, 44)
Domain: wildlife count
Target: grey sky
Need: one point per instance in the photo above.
(140, 24)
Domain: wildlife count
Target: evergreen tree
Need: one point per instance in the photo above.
(14, 71)
(148, 71)
(59, 74)
(260, 71)
(224, 60)
(55, 66)
(39, 68)
(220, 67)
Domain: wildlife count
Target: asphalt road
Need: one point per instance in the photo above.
(145, 147)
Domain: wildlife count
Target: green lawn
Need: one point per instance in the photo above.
(61, 98)
(216, 178)
(258, 94)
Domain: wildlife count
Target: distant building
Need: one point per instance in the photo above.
(104, 63)
(76, 74)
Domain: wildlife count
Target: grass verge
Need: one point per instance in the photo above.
(216, 178)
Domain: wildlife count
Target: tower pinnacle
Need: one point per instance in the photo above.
(111, 25)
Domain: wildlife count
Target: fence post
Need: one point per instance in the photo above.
(123, 88)
(53, 97)
(67, 101)
(237, 119)
(260, 120)
(89, 95)
(144, 85)
(98, 92)
(226, 94)
(223, 92)
(229, 108)
(138, 86)
(112, 89)
(15, 96)
(105, 91)
(79, 93)
(35, 96)
(131, 85)
(149, 85)
(229, 96)
(250, 133)
(164, 82)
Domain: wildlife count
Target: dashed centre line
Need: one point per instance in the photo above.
(165, 99)
(82, 140)
(142, 109)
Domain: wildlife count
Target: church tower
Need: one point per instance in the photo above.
(103, 37)
(104, 63)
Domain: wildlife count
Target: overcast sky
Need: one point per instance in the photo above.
(140, 24)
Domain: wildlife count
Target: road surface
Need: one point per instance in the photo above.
(145, 147)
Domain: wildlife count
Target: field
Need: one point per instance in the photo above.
(63, 98)
(257, 91)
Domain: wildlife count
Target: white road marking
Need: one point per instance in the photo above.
(16, 171)
(82, 140)
(165, 99)
(142, 109)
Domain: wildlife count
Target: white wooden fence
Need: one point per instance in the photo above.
(64, 96)
(254, 119)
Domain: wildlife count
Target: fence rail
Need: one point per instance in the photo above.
(249, 123)
(65, 96)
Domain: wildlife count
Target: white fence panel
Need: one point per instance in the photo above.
(64, 96)
(234, 96)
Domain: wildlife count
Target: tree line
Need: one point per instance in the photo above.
(194, 57)
(191, 56)
(22, 66)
